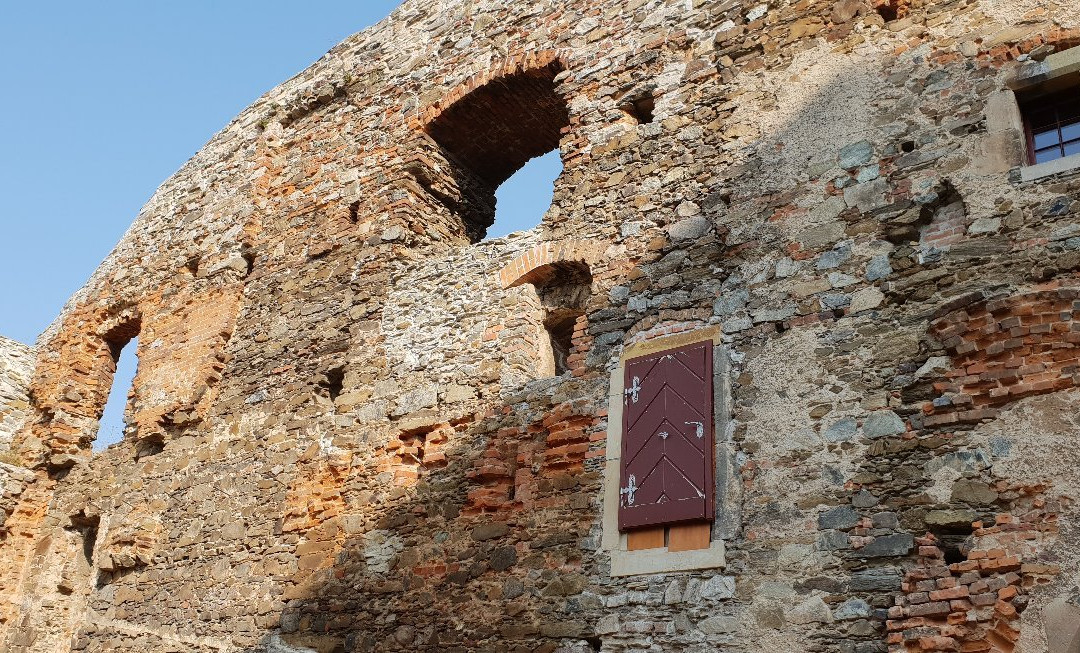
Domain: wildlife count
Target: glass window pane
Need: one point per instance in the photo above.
(1042, 156)
(1046, 139)
(1072, 148)
(1070, 132)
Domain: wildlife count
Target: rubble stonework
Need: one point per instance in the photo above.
(16, 367)
(346, 432)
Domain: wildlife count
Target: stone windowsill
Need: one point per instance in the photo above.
(659, 561)
(1050, 168)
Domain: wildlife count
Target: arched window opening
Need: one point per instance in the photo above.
(560, 273)
(563, 297)
(522, 200)
(488, 135)
(123, 345)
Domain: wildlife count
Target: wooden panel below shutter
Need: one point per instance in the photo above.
(689, 537)
(645, 538)
(667, 448)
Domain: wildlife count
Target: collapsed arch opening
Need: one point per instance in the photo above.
(491, 133)
(522, 200)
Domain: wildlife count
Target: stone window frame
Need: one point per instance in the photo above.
(726, 519)
(1058, 71)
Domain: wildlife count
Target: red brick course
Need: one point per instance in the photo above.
(975, 606)
(1005, 349)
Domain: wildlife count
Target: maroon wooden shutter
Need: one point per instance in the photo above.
(667, 446)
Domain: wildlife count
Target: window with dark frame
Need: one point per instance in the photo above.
(1052, 123)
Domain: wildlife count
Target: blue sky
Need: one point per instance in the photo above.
(103, 101)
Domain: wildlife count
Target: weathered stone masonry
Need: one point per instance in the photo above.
(357, 426)
(16, 367)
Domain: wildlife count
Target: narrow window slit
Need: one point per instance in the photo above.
(560, 331)
(121, 367)
(86, 529)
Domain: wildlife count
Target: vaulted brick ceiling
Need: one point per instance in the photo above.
(494, 130)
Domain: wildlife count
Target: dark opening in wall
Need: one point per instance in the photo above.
(192, 265)
(149, 446)
(890, 10)
(560, 329)
(123, 344)
(953, 554)
(563, 289)
(332, 382)
(87, 527)
(90, 533)
(492, 132)
(641, 109)
(946, 202)
(249, 258)
(954, 540)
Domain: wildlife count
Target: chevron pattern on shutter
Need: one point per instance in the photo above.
(667, 446)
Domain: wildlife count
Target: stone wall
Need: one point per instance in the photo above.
(16, 368)
(345, 434)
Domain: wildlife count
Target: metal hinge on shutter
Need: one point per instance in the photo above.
(629, 490)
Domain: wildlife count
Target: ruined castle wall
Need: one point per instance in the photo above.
(343, 434)
(16, 366)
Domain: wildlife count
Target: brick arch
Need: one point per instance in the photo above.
(176, 382)
(508, 67)
(70, 390)
(486, 129)
(540, 263)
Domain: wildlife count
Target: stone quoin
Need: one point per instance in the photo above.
(358, 425)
